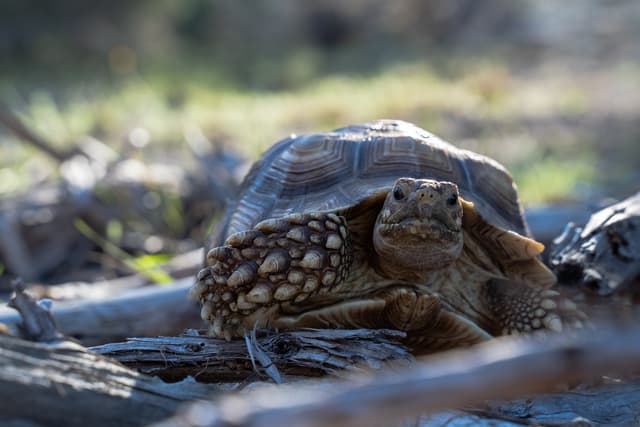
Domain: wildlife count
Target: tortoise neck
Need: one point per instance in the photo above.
(390, 267)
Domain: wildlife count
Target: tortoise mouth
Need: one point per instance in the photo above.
(415, 229)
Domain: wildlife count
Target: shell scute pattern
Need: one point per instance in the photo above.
(327, 171)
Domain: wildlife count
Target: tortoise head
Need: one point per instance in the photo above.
(419, 227)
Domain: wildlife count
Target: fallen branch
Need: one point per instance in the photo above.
(65, 385)
(37, 322)
(100, 392)
(149, 311)
(505, 368)
(611, 404)
(308, 353)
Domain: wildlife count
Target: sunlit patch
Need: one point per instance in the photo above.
(139, 137)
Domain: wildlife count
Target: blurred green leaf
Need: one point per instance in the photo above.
(152, 261)
(148, 265)
(114, 230)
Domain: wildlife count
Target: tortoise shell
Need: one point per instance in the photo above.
(335, 170)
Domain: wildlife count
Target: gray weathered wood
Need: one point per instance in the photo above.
(65, 385)
(504, 368)
(604, 255)
(611, 404)
(149, 311)
(308, 353)
(37, 323)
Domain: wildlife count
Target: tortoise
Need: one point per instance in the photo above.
(379, 225)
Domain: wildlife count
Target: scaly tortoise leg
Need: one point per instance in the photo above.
(519, 308)
(283, 260)
(428, 326)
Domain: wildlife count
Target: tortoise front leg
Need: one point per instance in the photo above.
(520, 308)
(282, 260)
(429, 327)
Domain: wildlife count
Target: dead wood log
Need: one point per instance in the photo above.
(603, 405)
(602, 257)
(610, 404)
(149, 311)
(70, 386)
(504, 368)
(308, 353)
(65, 385)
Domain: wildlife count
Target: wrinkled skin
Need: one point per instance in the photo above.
(419, 229)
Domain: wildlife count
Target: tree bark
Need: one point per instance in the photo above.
(306, 353)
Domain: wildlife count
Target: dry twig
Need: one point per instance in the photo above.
(15, 125)
(37, 322)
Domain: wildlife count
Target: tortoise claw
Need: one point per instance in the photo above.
(281, 260)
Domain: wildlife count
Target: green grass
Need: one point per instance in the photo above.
(553, 180)
(169, 107)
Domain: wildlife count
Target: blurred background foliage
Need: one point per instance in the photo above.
(548, 88)
(544, 87)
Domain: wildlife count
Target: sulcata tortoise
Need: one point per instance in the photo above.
(381, 225)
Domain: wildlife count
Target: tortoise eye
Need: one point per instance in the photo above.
(452, 200)
(398, 194)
